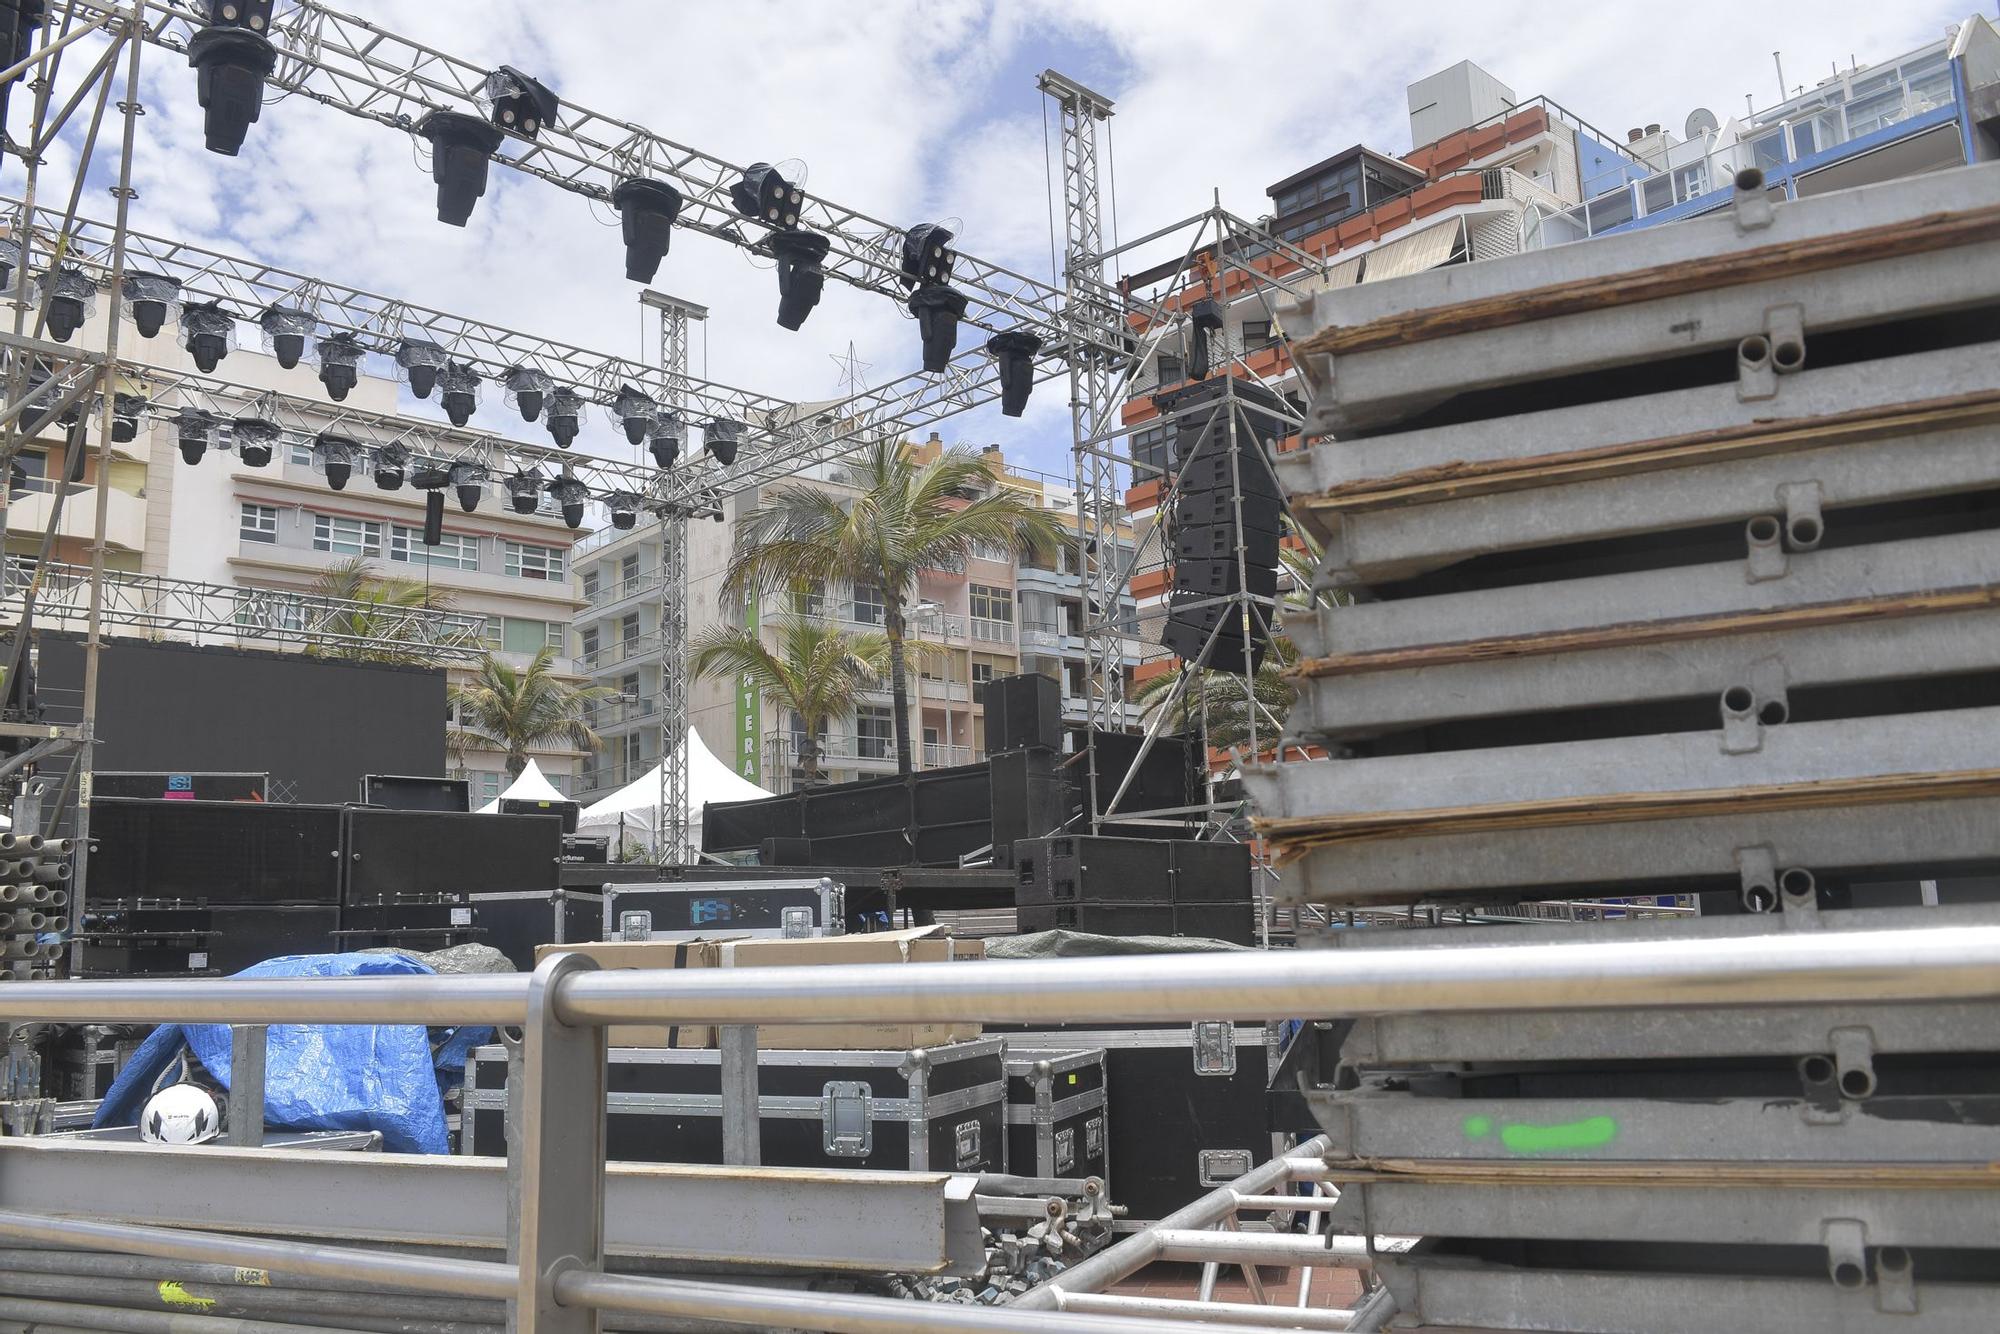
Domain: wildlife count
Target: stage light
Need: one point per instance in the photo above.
(570, 494)
(524, 492)
(926, 255)
(635, 410)
(458, 392)
(10, 251)
(461, 148)
(564, 415)
(255, 440)
(391, 466)
(418, 361)
(515, 101)
(230, 65)
(339, 364)
(252, 14)
(71, 298)
(286, 329)
(765, 195)
(208, 332)
(669, 434)
(469, 480)
(1014, 351)
(429, 475)
(19, 21)
(937, 310)
(801, 274)
(335, 454)
(527, 389)
(125, 413)
(1204, 318)
(719, 439)
(646, 211)
(624, 507)
(150, 301)
(194, 429)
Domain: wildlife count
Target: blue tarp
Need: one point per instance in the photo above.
(382, 1077)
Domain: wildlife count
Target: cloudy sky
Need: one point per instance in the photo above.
(912, 110)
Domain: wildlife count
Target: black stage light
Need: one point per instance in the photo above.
(646, 210)
(720, 438)
(524, 492)
(516, 101)
(1204, 318)
(252, 14)
(230, 64)
(926, 255)
(286, 329)
(71, 298)
(194, 429)
(624, 507)
(527, 388)
(565, 415)
(469, 479)
(255, 440)
(151, 300)
(433, 518)
(635, 410)
(461, 148)
(765, 195)
(19, 21)
(801, 274)
(336, 455)
(392, 464)
(208, 332)
(429, 475)
(570, 494)
(10, 251)
(458, 392)
(669, 434)
(937, 310)
(1014, 352)
(125, 413)
(339, 364)
(419, 360)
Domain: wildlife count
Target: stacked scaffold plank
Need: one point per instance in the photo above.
(1675, 571)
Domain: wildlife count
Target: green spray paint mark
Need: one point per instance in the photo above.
(1585, 1134)
(1478, 1127)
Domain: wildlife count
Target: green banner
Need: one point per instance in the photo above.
(749, 714)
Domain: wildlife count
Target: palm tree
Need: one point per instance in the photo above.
(373, 598)
(816, 671)
(519, 709)
(909, 517)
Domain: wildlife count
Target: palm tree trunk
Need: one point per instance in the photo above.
(517, 760)
(899, 676)
(809, 756)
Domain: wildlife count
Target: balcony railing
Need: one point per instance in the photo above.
(786, 748)
(614, 713)
(992, 632)
(939, 755)
(617, 651)
(618, 590)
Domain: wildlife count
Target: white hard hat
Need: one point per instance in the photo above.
(180, 1114)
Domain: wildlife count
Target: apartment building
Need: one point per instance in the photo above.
(1491, 175)
(239, 537)
(995, 617)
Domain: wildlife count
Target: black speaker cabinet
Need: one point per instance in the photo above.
(1210, 473)
(213, 851)
(1167, 777)
(1093, 870)
(423, 854)
(1032, 797)
(1022, 711)
(1220, 576)
(1185, 641)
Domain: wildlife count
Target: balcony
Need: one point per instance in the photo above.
(938, 755)
(606, 715)
(618, 590)
(934, 690)
(620, 651)
(992, 632)
(124, 516)
(835, 752)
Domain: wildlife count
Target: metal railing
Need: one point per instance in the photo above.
(992, 632)
(556, 1279)
(619, 650)
(618, 590)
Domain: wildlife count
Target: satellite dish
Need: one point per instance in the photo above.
(1701, 121)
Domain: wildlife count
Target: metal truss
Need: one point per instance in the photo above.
(671, 841)
(252, 617)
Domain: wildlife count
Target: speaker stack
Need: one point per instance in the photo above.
(1226, 523)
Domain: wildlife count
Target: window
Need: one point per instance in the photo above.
(628, 627)
(1691, 180)
(992, 604)
(628, 569)
(298, 455)
(528, 562)
(1257, 333)
(511, 634)
(635, 753)
(810, 601)
(259, 524)
(453, 551)
(1171, 369)
(346, 537)
(874, 732)
(1150, 446)
(1802, 139)
(1658, 192)
(869, 608)
(1769, 151)
(587, 642)
(982, 672)
(1611, 210)
(486, 787)
(992, 551)
(590, 585)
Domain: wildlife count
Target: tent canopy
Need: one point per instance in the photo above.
(634, 808)
(530, 786)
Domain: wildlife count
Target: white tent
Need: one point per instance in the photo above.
(530, 786)
(632, 812)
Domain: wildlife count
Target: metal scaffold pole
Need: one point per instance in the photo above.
(673, 844)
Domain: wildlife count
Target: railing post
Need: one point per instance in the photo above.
(246, 1085)
(742, 1122)
(557, 1151)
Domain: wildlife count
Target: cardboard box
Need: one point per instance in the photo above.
(648, 954)
(924, 944)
